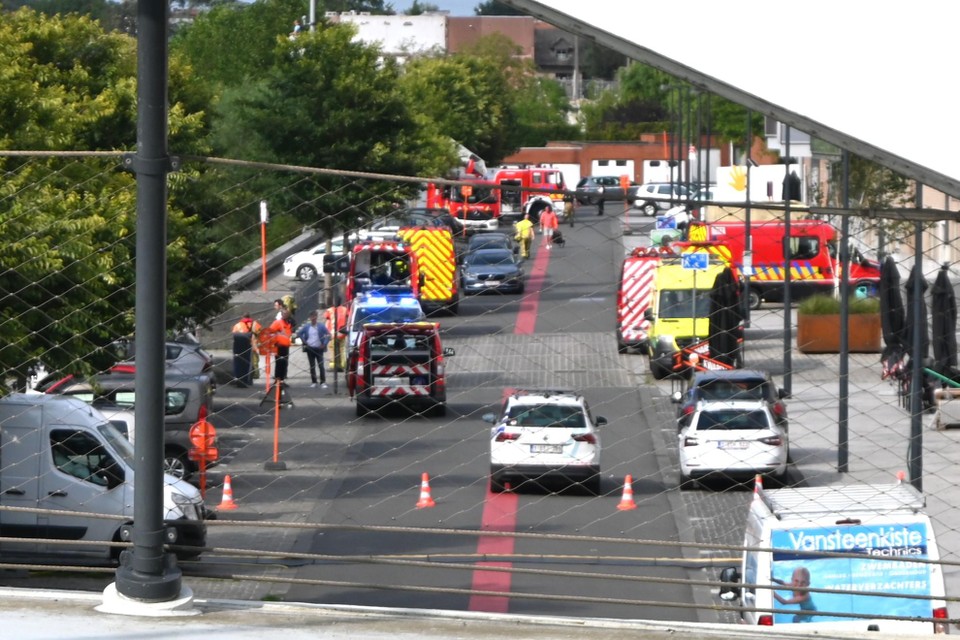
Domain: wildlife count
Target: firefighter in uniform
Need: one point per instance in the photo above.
(335, 318)
(524, 235)
(283, 330)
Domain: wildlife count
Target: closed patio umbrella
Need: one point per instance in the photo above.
(912, 327)
(892, 317)
(943, 321)
(726, 319)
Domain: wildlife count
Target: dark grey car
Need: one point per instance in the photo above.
(593, 189)
(496, 270)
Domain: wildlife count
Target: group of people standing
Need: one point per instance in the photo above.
(524, 230)
(249, 337)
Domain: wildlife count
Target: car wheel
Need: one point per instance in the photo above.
(659, 367)
(496, 484)
(648, 209)
(306, 272)
(438, 410)
(520, 289)
(593, 484)
(594, 200)
(687, 483)
(362, 408)
(621, 348)
(176, 464)
(754, 299)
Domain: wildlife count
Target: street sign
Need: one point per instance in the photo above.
(697, 261)
(666, 222)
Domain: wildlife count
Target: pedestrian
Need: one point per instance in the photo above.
(524, 235)
(548, 225)
(282, 329)
(315, 337)
(568, 208)
(244, 337)
(600, 205)
(278, 308)
(297, 28)
(335, 319)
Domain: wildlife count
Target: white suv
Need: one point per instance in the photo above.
(653, 197)
(545, 435)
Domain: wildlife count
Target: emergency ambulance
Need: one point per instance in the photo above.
(853, 558)
(814, 258)
(679, 315)
(634, 297)
(438, 271)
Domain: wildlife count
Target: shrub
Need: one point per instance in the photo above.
(822, 304)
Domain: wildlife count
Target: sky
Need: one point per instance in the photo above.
(455, 7)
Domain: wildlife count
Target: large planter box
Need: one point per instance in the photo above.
(821, 333)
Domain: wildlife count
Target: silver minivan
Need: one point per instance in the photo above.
(72, 472)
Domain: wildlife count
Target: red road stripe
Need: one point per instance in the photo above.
(500, 509)
(527, 317)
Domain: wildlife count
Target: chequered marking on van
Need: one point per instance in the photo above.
(798, 271)
(437, 261)
(400, 369)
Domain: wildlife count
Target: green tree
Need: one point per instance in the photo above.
(328, 101)
(419, 8)
(494, 8)
(67, 274)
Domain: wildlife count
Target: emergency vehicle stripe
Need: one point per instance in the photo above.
(798, 271)
(400, 390)
(434, 249)
(400, 369)
(637, 293)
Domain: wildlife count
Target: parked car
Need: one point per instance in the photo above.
(497, 270)
(386, 228)
(180, 358)
(444, 217)
(593, 189)
(652, 198)
(306, 265)
(731, 384)
(492, 240)
(187, 400)
(541, 436)
(734, 440)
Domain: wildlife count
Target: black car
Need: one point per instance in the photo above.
(492, 240)
(441, 216)
(492, 270)
(730, 385)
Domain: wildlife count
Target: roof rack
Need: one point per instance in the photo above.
(841, 499)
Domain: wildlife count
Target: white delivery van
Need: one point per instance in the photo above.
(867, 552)
(60, 454)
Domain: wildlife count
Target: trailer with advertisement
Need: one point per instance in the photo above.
(848, 558)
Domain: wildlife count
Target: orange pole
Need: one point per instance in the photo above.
(203, 477)
(263, 253)
(276, 424)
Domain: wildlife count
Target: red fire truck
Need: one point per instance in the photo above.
(477, 204)
(528, 189)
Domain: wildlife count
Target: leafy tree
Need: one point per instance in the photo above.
(418, 8)
(67, 274)
(494, 8)
(327, 101)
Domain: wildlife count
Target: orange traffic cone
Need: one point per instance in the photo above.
(626, 502)
(227, 503)
(425, 499)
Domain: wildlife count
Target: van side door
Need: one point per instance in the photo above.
(83, 476)
(19, 479)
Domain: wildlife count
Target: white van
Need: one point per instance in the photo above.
(60, 454)
(887, 579)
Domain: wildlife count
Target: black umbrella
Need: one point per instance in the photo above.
(912, 327)
(891, 312)
(943, 324)
(726, 319)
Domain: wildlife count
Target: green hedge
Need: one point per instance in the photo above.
(822, 304)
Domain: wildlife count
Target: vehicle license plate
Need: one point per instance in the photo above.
(735, 444)
(546, 448)
(393, 382)
(491, 283)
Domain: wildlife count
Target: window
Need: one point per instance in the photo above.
(82, 456)
(804, 247)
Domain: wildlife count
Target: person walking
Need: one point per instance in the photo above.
(315, 338)
(548, 225)
(244, 337)
(568, 208)
(335, 319)
(524, 235)
(282, 328)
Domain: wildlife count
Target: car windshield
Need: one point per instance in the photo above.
(547, 415)
(387, 314)
(732, 390)
(679, 303)
(491, 258)
(732, 420)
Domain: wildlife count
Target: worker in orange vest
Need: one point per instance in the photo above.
(283, 330)
(336, 319)
(244, 338)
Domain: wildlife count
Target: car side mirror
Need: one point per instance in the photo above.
(600, 420)
(648, 314)
(782, 393)
(449, 351)
(729, 578)
(489, 417)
